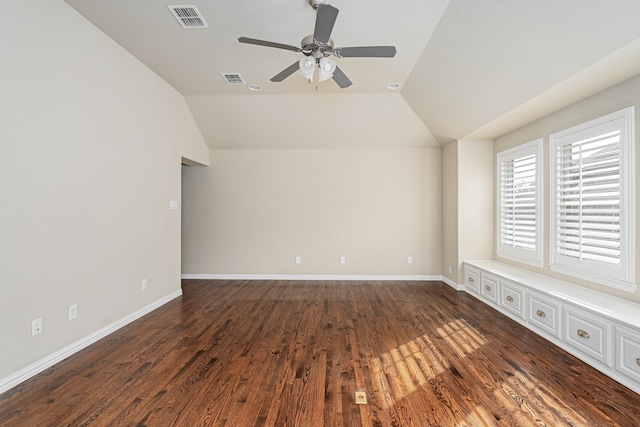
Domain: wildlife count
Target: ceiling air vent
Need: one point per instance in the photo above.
(188, 16)
(233, 78)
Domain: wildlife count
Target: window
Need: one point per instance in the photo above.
(520, 203)
(592, 218)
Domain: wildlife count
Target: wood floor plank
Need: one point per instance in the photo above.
(293, 353)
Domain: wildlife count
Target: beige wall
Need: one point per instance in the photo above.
(616, 98)
(89, 160)
(254, 211)
(450, 211)
(309, 120)
(467, 204)
(475, 199)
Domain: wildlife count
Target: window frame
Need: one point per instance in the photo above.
(523, 255)
(620, 276)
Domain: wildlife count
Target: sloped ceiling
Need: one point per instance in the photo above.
(488, 57)
(466, 68)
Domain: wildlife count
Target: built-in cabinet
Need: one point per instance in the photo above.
(628, 352)
(512, 298)
(601, 330)
(544, 313)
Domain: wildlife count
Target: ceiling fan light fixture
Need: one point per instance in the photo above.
(327, 68)
(318, 46)
(307, 65)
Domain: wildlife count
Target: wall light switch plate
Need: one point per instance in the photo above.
(343, 260)
(298, 260)
(173, 205)
(410, 260)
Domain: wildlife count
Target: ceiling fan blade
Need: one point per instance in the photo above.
(269, 44)
(325, 18)
(341, 78)
(365, 52)
(286, 72)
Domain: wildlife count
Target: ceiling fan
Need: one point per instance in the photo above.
(317, 47)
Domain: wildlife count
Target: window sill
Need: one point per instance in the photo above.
(527, 261)
(605, 281)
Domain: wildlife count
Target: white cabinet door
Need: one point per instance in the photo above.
(628, 352)
(512, 297)
(471, 278)
(544, 313)
(489, 287)
(588, 333)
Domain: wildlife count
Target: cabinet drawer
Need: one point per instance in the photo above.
(544, 313)
(628, 352)
(471, 278)
(489, 287)
(512, 297)
(588, 333)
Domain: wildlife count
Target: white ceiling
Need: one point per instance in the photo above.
(467, 68)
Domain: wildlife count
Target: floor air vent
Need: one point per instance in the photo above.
(233, 78)
(188, 16)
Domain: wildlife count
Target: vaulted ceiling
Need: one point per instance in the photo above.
(465, 68)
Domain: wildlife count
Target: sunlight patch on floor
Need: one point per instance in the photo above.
(520, 389)
(416, 364)
(461, 336)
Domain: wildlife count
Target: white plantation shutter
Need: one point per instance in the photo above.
(518, 200)
(592, 203)
(588, 199)
(519, 203)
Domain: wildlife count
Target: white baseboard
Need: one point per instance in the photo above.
(425, 278)
(39, 366)
(451, 283)
(308, 277)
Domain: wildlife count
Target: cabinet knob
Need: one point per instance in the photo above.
(488, 288)
(541, 313)
(470, 280)
(583, 334)
(509, 298)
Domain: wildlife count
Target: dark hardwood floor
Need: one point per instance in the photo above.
(276, 353)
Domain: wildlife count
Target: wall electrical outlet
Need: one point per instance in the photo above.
(361, 397)
(36, 327)
(73, 311)
(298, 260)
(144, 284)
(410, 260)
(449, 269)
(343, 260)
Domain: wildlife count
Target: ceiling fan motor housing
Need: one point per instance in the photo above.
(311, 48)
(316, 3)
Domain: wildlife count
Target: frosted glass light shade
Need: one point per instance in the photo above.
(307, 66)
(327, 68)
